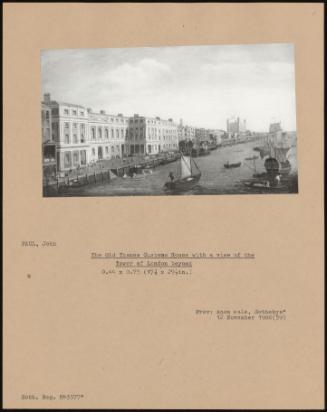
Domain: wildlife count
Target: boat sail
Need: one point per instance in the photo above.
(281, 153)
(186, 168)
(189, 175)
(278, 148)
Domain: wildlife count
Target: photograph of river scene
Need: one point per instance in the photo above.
(198, 120)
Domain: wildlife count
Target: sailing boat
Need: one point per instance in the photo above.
(277, 161)
(189, 175)
(281, 156)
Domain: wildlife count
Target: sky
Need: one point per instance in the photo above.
(203, 85)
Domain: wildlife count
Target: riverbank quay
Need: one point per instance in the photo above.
(105, 170)
(236, 141)
(215, 178)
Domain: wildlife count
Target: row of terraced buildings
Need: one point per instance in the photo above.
(74, 136)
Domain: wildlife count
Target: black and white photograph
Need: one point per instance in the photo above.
(167, 249)
(158, 121)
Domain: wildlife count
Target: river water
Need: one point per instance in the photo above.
(215, 179)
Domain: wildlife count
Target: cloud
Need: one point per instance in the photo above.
(147, 73)
(201, 84)
(240, 74)
(130, 86)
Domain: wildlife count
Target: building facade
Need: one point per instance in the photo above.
(69, 130)
(202, 135)
(150, 135)
(107, 135)
(46, 123)
(236, 126)
(48, 145)
(82, 136)
(186, 133)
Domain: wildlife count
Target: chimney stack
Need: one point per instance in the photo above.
(47, 98)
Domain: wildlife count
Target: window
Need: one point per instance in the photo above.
(74, 112)
(93, 151)
(54, 130)
(66, 138)
(75, 158)
(66, 125)
(47, 133)
(55, 112)
(107, 149)
(112, 133)
(117, 134)
(106, 133)
(93, 133)
(67, 159)
(82, 138)
(100, 132)
(112, 149)
(75, 138)
(81, 113)
(83, 157)
(75, 125)
(121, 133)
(66, 111)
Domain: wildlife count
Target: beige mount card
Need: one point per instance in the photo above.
(163, 206)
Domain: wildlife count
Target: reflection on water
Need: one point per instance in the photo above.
(215, 178)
